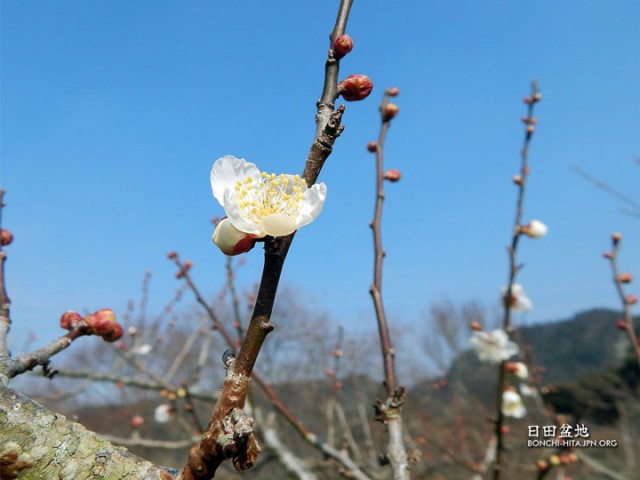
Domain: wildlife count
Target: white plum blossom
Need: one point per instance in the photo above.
(512, 405)
(519, 369)
(528, 391)
(143, 349)
(535, 229)
(519, 301)
(494, 346)
(162, 413)
(261, 204)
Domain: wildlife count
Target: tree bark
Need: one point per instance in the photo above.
(37, 444)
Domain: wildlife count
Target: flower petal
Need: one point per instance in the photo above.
(226, 171)
(278, 225)
(312, 204)
(234, 213)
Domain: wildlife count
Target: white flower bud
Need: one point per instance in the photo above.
(231, 240)
(535, 229)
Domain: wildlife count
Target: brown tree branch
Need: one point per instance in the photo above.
(230, 434)
(389, 412)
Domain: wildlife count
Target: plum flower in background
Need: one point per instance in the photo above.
(518, 369)
(512, 405)
(162, 413)
(143, 349)
(494, 346)
(528, 391)
(518, 300)
(258, 204)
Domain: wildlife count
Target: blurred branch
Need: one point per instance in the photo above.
(389, 412)
(619, 280)
(634, 210)
(514, 268)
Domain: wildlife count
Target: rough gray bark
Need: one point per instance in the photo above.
(37, 444)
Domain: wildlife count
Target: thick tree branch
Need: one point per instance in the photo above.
(39, 457)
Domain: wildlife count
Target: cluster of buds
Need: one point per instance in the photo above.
(186, 266)
(556, 460)
(101, 323)
(621, 278)
(6, 237)
(535, 98)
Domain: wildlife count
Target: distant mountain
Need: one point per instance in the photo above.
(571, 348)
(583, 363)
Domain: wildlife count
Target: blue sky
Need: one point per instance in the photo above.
(113, 113)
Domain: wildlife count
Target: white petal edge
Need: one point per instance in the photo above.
(226, 171)
(312, 204)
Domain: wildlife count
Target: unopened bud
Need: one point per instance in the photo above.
(542, 466)
(625, 278)
(504, 429)
(232, 241)
(517, 179)
(342, 45)
(631, 299)
(6, 237)
(171, 255)
(475, 326)
(388, 111)
(392, 175)
(518, 369)
(616, 237)
(537, 97)
(529, 120)
(393, 91)
(534, 229)
(621, 324)
(137, 421)
(530, 129)
(355, 87)
(554, 460)
(608, 255)
(372, 147)
(528, 100)
(70, 320)
(103, 323)
(187, 265)
(114, 335)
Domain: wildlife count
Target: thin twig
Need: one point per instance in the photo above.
(389, 412)
(514, 268)
(618, 280)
